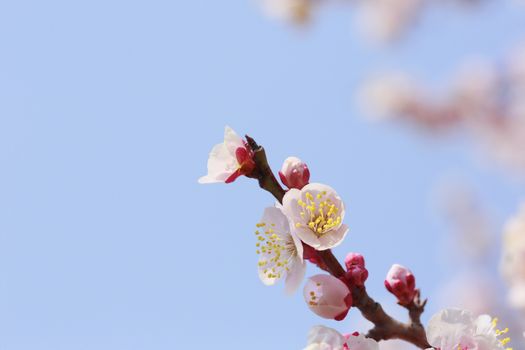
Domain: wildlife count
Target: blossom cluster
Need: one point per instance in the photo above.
(449, 329)
(380, 20)
(303, 227)
(485, 100)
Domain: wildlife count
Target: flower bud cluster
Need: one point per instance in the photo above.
(356, 272)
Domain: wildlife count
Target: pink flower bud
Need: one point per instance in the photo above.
(328, 297)
(356, 273)
(354, 259)
(401, 282)
(294, 173)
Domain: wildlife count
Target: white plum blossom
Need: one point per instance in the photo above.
(453, 329)
(316, 215)
(327, 297)
(229, 160)
(280, 252)
(513, 260)
(360, 342)
(325, 338)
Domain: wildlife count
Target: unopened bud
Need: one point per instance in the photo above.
(354, 259)
(356, 273)
(401, 282)
(327, 297)
(294, 173)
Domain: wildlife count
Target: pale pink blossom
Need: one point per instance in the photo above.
(280, 252)
(360, 342)
(327, 297)
(325, 338)
(229, 160)
(453, 329)
(316, 214)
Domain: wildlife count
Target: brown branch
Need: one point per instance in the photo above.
(385, 327)
(263, 172)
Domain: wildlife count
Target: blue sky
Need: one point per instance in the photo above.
(108, 111)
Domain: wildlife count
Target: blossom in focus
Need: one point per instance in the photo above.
(316, 214)
(453, 329)
(356, 272)
(325, 338)
(294, 173)
(401, 282)
(512, 264)
(229, 160)
(327, 297)
(280, 252)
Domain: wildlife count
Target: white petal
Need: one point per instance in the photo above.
(321, 337)
(484, 325)
(232, 140)
(298, 245)
(220, 165)
(318, 188)
(332, 238)
(307, 236)
(276, 217)
(290, 206)
(450, 327)
(360, 342)
(264, 278)
(295, 276)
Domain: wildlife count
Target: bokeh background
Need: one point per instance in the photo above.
(108, 110)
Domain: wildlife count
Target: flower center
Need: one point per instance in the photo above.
(321, 213)
(276, 252)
